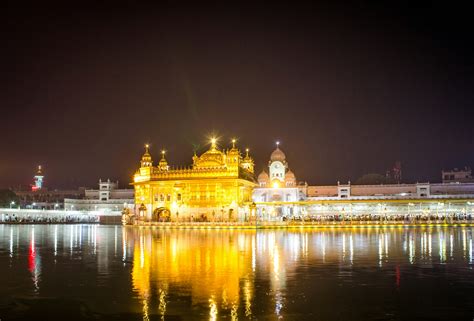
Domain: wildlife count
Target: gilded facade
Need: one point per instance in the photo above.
(216, 187)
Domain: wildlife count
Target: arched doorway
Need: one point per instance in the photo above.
(161, 214)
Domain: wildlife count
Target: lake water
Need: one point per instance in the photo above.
(93, 272)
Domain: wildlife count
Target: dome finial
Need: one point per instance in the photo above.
(233, 142)
(278, 143)
(213, 143)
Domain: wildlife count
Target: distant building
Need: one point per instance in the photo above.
(40, 197)
(457, 175)
(109, 197)
(38, 180)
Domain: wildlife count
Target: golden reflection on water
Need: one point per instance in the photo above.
(209, 265)
(217, 269)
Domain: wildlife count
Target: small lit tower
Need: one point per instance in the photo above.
(233, 157)
(163, 164)
(146, 158)
(38, 180)
(247, 162)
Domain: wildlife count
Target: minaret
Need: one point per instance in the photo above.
(163, 164)
(146, 158)
(38, 180)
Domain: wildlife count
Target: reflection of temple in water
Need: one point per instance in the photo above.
(218, 270)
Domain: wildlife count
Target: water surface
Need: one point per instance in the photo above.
(93, 272)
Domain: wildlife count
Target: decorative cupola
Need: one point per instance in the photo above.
(233, 156)
(163, 164)
(146, 158)
(248, 162)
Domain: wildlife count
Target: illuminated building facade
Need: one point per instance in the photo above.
(278, 185)
(216, 187)
(38, 180)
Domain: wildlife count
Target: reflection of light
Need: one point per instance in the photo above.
(212, 309)
(55, 240)
(429, 246)
(71, 235)
(142, 252)
(343, 246)
(11, 242)
(441, 246)
(351, 249)
(145, 310)
(411, 249)
(248, 297)
(115, 241)
(162, 304)
(323, 246)
(451, 241)
(470, 251)
(124, 245)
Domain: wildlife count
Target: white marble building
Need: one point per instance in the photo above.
(278, 185)
(108, 198)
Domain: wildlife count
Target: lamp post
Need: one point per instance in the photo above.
(11, 204)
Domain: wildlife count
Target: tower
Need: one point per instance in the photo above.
(38, 180)
(163, 164)
(146, 160)
(248, 162)
(277, 166)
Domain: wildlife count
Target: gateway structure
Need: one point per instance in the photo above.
(216, 187)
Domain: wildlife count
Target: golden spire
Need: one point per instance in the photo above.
(213, 143)
(233, 142)
(146, 158)
(163, 164)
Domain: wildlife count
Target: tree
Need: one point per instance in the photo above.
(7, 196)
(373, 179)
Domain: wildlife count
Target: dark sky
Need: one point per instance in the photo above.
(348, 90)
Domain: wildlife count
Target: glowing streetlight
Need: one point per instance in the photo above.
(11, 204)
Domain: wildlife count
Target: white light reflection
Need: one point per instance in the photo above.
(351, 249)
(11, 242)
(55, 240)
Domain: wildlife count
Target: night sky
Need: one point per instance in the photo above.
(347, 90)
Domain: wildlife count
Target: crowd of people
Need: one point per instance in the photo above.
(48, 219)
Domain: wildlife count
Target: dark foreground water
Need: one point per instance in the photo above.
(90, 272)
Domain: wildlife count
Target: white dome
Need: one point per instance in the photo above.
(263, 177)
(277, 155)
(290, 176)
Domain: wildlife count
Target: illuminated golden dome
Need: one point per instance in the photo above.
(211, 158)
(277, 155)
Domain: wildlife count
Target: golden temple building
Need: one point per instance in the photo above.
(217, 187)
